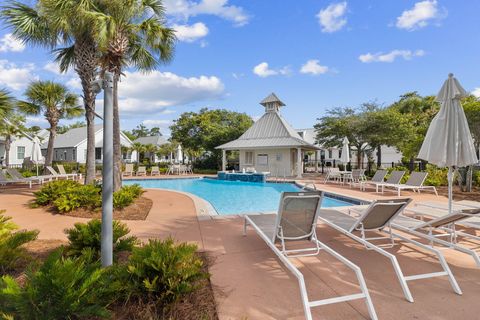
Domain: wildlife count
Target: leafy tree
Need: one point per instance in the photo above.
(65, 128)
(167, 149)
(208, 129)
(55, 102)
(63, 27)
(135, 35)
(142, 131)
(11, 129)
(471, 106)
(151, 150)
(139, 148)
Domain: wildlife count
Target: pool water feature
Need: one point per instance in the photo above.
(233, 197)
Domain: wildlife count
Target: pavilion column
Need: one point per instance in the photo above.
(316, 160)
(224, 160)
(299, 162)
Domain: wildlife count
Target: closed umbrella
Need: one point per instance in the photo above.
(345, 157)
(448, 142)
(36, 152)
(179, 154)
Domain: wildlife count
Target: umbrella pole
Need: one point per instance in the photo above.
(450, 193)
(37, 168)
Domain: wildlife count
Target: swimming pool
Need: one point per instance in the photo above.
(232, 197)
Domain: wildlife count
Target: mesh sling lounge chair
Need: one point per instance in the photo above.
(414, 183)
(61, 170)
(58, 175)
(128, 170)
(141, 171)
(297, 220)
(4, 180)
(155, 171)
(378, 177)
(15, 175)
(377, 217)
(443, 226)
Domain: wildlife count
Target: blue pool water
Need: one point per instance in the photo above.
(232, 197)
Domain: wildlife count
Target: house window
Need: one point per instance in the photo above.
(98, 153)
(330, 154)
(74, 154)
(249, 157)
(279, 157)
(262, 159)
(339, 153)
(20, 152)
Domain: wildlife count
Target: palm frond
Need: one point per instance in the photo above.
(65, 57)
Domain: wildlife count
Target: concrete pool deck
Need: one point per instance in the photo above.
(250, 283)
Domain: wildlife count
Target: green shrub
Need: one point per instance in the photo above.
(436, 176)
(126, 195)
(11, 242)
(68, 195)
(88, 236)
(162, 269)
(61, 288)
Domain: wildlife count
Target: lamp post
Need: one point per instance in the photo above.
(107, 171)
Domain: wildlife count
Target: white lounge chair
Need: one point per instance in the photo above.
(155, 171)
(141, 171)
(4, 180)
(394, 179)
(296, 220)
(16, 175)
(377, 179)
(61, 170)
(377, 218)
(437, 228)
(128, 170)
(59, 176)
(357, 176)
(333, 174)
(415, 183)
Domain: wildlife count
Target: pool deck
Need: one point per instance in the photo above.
(250, 283)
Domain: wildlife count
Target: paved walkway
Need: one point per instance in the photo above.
(250, 283)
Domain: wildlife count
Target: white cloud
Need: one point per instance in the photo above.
(74, 83)
(141, 93)
(390, 56)
(190, 33)
(476, 92)
(420, 15)
(332, 17)
(157, 123)
(187, 8)
(9, 43)
(38, 121)
(263, 70)
(16, 77)
(313, 67)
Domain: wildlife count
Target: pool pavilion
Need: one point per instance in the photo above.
(270, 144)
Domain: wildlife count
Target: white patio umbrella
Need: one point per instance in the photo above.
(179, 154)
(448, 142)
(345, 158)
(36, 152)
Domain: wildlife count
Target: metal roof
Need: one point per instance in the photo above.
(72, 137)
(155, 140)
(272, 98)
(270, 131)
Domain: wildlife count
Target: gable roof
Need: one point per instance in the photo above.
(72, 137)
(270, 131)
(155, 140)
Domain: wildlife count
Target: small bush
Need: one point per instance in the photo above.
(162, 269)
(126, 195)
(68, 195)
(88, 236)
(436, 176)
(62, 288)
(11, 242)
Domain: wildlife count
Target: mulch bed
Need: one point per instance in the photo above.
(136, 211)
(458, 194)
(198, 305)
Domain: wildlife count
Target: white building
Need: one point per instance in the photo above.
(270, 144)
(20, 148)
(71, 146)
(157, 141)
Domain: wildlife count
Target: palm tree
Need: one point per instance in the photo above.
(11, 129)
(59, 25)
(151, 150)
(136, 37)
(55, 102)
(6, 102)
(139, 148)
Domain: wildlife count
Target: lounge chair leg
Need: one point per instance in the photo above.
(245, 227)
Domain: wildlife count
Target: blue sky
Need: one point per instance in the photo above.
(315, 55)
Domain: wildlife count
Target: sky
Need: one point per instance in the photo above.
(315, 55)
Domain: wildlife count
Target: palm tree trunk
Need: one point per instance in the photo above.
(8, 142)
(86, 66)
(117, 147)
(51, 140)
